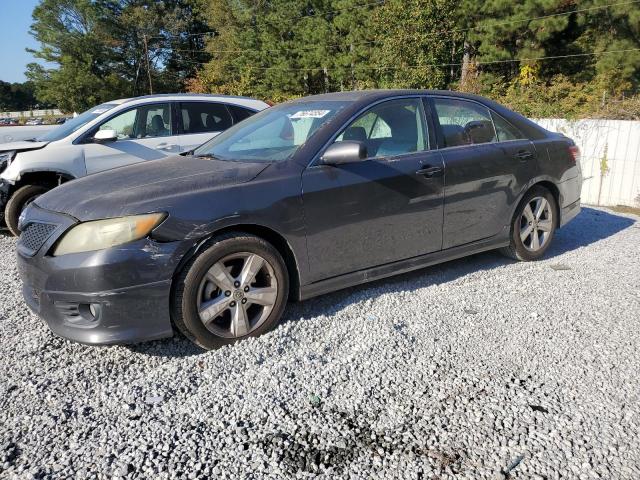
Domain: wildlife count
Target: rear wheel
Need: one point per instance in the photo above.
(534, 225)
(17, 203)
(234, 289)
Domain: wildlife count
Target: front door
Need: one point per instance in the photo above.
(382, 209)
(144, 133)
(487, 162)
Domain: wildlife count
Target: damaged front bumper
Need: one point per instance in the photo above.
(116, 295)
(5, 188)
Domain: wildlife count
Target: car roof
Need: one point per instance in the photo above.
(360, 98)
(383, 93)
(190, 96)
(248, 102)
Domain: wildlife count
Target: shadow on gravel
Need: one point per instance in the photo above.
(176, 347)
(589, 227)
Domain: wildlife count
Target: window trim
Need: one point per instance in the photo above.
(493, 112)
(84, 138)
(425, 124)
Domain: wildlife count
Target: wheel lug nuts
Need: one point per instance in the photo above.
(232, 304)
(227, 293)
(236, 284)
(246, 289)
(244, 300)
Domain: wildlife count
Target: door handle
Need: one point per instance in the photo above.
(523, 155)
(430, 172)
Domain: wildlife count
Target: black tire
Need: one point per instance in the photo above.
(20, 199)
(187, 287)
(517, 249)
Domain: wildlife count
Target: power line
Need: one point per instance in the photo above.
(454, 64)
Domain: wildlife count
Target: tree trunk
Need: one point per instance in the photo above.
(467, 70)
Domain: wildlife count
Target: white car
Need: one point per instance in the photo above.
(110, 135)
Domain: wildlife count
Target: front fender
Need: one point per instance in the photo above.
(67, 160)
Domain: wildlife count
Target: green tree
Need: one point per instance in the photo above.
(106, 49)
(417, 44)
(17, 96)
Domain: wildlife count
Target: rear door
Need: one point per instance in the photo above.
(145, 132)
(199, 121)
(487, 163)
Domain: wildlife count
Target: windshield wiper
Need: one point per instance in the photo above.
(208, 155)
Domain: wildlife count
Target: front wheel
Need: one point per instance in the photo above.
(234, 289)
(17, 203)
(533, 227)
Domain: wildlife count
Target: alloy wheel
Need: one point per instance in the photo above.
(536, 224)
(237, 294)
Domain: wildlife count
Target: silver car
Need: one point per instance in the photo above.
(120, 132)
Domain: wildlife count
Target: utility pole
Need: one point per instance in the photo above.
(146, 54)
(353, 73)
(326, 80)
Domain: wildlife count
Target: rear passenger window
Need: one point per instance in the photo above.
(240, 113)
(463, 122)
(204, 117)
(505, 130)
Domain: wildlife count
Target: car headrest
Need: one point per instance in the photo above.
(157, 123)
(480, 131)
(454, 135)
(211, 122)
(355, 133)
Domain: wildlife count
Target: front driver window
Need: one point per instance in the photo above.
(391, 128)
(123, 124)
(146, 121)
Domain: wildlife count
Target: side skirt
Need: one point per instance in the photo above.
(396, 268)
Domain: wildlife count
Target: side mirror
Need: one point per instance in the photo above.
(103, 136)
(348, 151)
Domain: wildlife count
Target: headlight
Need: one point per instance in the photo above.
(5, 158)
(100, 234)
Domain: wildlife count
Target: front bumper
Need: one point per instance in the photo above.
(117, 295)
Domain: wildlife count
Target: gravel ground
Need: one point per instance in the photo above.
(479, 368)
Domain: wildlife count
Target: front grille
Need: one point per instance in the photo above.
(34, 236)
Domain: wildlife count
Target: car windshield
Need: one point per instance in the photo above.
(272, 135)
(70, 126)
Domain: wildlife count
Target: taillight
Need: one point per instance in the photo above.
(574, 152)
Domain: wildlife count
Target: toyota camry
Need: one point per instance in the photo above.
(307, 197)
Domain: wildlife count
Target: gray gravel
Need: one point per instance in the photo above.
(479, 368)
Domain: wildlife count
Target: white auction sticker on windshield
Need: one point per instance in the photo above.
(100, 110)
(310, 114)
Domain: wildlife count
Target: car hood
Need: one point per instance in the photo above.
(21, 146)
(144, 187)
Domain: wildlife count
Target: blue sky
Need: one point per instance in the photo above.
(15, 20)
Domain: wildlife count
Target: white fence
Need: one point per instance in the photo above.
(610, 158)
